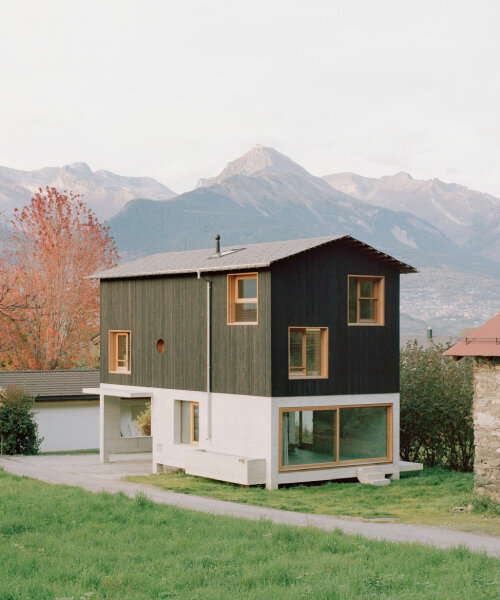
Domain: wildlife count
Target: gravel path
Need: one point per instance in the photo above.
(85, 471)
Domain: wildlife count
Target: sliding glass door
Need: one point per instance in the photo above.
(316, 437)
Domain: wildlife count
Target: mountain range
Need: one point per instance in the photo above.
(449, 232)
(470, 219)
(104, 192)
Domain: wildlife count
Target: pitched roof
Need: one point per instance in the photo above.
(483, 341)
(53, 384)
(244, 256)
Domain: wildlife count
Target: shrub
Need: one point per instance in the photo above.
(18, 428)
(143, 421)
(436, 408)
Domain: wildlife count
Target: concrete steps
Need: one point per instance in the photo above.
(371, 476)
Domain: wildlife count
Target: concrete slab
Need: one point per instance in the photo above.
(86, 472)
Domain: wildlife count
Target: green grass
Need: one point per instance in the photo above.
(64, 543)
(425, 498)
(63, 452)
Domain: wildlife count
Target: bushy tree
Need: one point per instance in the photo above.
(51, 310)
(436, 408)
(18, 428)
(143, 421)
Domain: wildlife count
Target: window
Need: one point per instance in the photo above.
(119, 351)
(190, 422)
(307, 352)
(366, 300)
(242, 299)
(333, 436)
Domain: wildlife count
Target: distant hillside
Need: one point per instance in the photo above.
(105, 192)
(469, 218)
(265, 196)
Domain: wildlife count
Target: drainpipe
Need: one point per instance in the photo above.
(209, 356)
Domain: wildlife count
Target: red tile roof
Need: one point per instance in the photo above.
(483, 341)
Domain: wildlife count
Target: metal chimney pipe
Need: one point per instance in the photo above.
(217, 244)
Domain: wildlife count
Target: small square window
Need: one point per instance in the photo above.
(119, 351)
(366, 300)
(307, 352)
(242, 299)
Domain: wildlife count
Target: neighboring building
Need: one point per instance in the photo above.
(483, 344)
(67, 418)
(266, 363)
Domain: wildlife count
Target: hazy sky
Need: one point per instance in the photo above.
(175, 89)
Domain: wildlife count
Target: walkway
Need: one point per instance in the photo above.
(84, 471)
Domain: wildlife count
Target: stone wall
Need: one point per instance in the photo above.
(487, 426)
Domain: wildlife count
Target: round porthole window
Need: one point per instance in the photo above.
(160, 346)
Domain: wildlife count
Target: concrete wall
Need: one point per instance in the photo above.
(487, 427)
(68, 425)
(246, 427)
(74, 425)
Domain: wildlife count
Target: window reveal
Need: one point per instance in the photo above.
(119, 351)
(242, 299)
(366, 300)
(190, 422)
(308, 352)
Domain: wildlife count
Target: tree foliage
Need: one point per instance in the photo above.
(50, 311)
(18, 428)
(143, 421)
(436, 408)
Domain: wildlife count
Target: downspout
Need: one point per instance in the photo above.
(209, 355)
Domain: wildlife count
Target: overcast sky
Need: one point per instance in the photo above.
(175, 89)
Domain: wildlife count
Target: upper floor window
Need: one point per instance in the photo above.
(242, 298)
(308, 352)
(119, 351)
(366, 300)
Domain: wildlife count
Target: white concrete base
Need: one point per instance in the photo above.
(405, 465)
(371, 476)
(226, 467)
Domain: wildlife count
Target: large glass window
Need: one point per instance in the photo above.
(308, 352)
(333, 436)
(119, 351)
(308, 437)
(242, 301)
(366, 300)
(363, 432)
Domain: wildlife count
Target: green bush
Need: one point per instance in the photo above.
(143, 421)
(18, 428)
(436, 408)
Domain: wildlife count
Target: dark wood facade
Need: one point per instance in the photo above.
(174, 309)
(310, 290)
(306, 290)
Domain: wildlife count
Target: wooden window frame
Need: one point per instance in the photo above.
(233, 299)
(113, 351)
(324, 353)
(338, 463)
(193, 441)
(379, 298)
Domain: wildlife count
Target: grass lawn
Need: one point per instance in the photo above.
(58, 542)
(426, 498)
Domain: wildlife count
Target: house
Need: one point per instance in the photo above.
(67, 418)
(483, 344)
(265, 363)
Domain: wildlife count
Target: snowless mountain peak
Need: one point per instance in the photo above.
(260, 160)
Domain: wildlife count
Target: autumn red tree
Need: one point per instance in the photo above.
(53, 244)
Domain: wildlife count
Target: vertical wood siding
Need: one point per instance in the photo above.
(174, 309)
(153, 308)
(310, 290)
